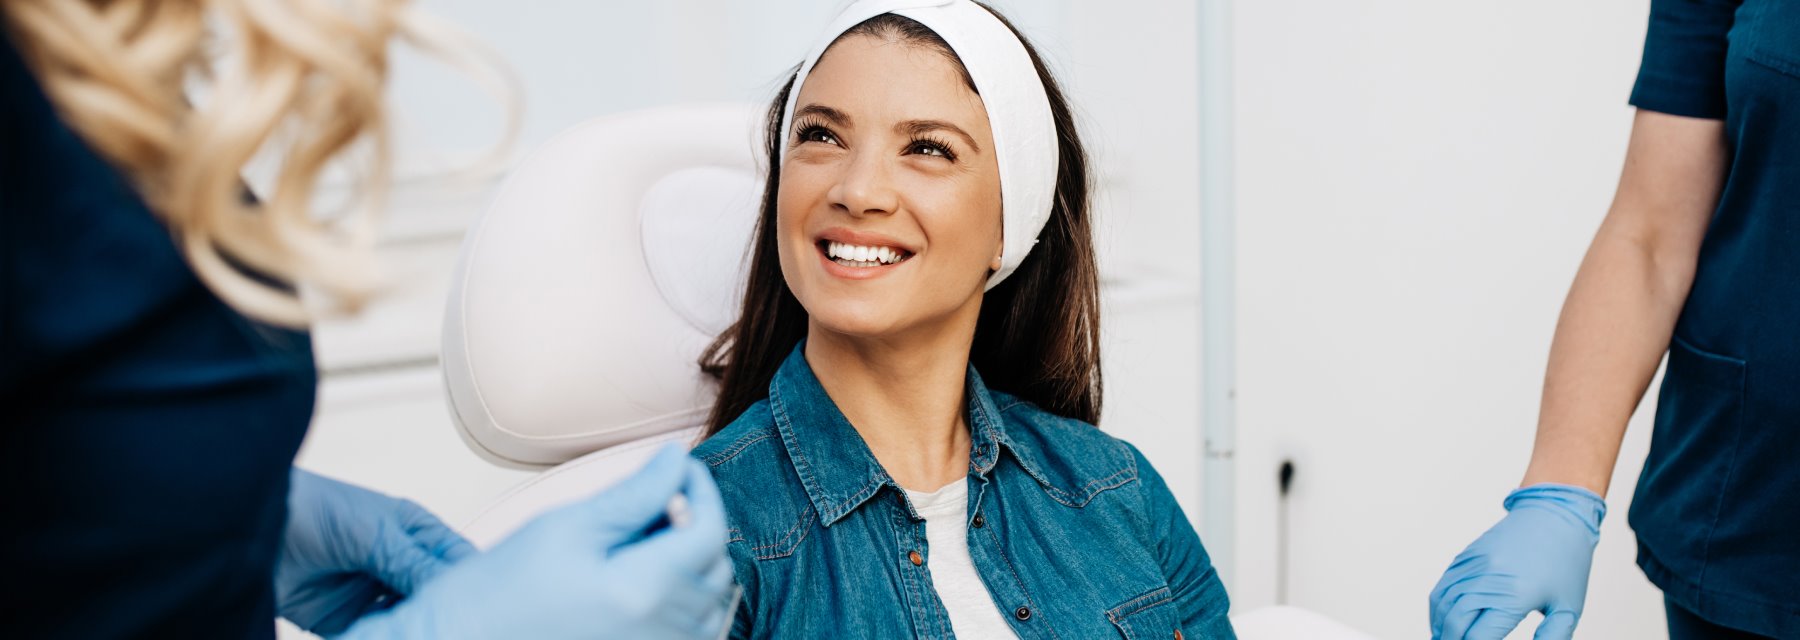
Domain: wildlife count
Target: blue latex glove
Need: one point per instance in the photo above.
(1536, 559)
(609, 566)
(348, 551)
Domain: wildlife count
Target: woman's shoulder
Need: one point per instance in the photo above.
(754, 427)
(1074, 459)
(1019, 412)
(764, 500)
(748, 460)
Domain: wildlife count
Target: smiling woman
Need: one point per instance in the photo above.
(869, 168)
(904, 433)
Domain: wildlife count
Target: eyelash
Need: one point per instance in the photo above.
(806, 131)
(932, 144)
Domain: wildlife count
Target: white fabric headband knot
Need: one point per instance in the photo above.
(1018, 110)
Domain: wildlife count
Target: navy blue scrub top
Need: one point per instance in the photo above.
(148, 428)
(1717, 509)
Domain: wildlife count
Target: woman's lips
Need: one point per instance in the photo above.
(855, 254)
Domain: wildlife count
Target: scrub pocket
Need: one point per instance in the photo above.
(1770, 40)
(1699, 419)
(1152, 615)
(1781, 63)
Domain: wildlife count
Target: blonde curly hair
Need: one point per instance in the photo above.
(180, 95)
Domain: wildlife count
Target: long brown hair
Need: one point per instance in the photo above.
(1038, 336)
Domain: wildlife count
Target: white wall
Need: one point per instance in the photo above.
(1417, 182)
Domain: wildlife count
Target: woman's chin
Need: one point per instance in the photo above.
(857, 323)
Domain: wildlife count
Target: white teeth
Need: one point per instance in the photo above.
(862, 256)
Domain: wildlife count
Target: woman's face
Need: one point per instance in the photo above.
(888, 214)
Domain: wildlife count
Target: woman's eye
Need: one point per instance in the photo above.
(817, 134)
(928, 148)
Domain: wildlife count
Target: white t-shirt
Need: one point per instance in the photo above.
(973, 615)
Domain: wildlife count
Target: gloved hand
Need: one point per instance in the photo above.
(1536, 559)
(609, 566)
(348, 551)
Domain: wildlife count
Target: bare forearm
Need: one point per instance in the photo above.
(1622, 309)
(1614, 329)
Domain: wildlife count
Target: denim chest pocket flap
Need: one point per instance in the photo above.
(1151, 615)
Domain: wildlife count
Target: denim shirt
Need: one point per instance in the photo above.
(1071, 530)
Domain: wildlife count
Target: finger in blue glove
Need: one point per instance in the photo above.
(347, 551)
(610, 566)
(1537, 558)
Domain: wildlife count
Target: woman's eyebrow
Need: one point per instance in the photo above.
(918, 127)
(831, 115)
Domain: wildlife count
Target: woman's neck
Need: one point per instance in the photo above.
(904, 396)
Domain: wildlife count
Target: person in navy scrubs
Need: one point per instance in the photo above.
(1699, 258)
(150, 426)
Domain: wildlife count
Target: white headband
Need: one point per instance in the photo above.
(1018, 110)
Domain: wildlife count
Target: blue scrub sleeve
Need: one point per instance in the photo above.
(1683, 72)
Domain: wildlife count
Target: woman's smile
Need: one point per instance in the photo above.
(858, 255)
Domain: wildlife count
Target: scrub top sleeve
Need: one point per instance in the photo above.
(1683, 71)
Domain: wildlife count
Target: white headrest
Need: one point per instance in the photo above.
(585, 294)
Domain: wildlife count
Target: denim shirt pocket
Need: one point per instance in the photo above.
(1151, 615)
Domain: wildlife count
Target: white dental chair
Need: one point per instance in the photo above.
(586, 293)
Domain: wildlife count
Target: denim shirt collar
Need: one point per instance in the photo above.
(835, 465)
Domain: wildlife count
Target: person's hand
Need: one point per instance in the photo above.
(610, 566)
(1536, 559)
(348, 551)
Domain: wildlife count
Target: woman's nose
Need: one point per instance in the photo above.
(866, 185)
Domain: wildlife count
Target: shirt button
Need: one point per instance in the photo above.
(916, 559)
(1024, 613)
(1177, 634)
(979, 521)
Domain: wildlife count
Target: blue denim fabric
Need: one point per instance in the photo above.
(1073, 532)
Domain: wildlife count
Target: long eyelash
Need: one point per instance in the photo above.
(805, 127)
(942, 146)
